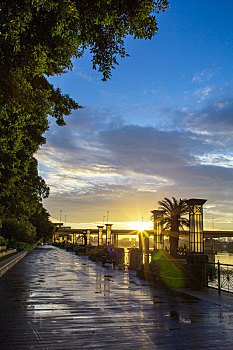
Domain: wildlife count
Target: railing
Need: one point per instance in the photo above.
(219, 276)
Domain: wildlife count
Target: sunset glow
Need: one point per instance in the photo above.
(150, 132)
(140, 225)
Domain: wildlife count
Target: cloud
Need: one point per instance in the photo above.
(216, 118)
(203, 76)
(83, 75)
(203, 93)
(99, 160)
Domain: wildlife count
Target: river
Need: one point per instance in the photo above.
(224, 258)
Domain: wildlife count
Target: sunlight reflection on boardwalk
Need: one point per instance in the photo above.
(54, 299)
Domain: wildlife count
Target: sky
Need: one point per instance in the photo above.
(161, 127)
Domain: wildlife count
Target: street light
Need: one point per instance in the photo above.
(196, 237)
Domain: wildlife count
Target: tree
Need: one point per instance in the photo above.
(24, 106)
(24, 217)
(38, 39)
(44, 227)
(18, 231)
(26, 195)
(173, 211)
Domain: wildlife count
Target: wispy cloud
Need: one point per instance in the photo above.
(203, 93)
(203, 76)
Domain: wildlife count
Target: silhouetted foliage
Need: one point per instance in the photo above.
(173, 211)
(25, 197)
(44, 227)
(18, 231)
(3, 241)
(39, 39)
(183, 249)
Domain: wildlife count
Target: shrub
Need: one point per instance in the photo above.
(96, 253)
(80, 249)
(19, 231)
(22, 246)
(3, 241)
(218, 246)
(183, 249)
(229, 247)
(212, 272)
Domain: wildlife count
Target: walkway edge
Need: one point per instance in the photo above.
(11, 262)
(211, 295)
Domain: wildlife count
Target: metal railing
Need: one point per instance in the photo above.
(218, 276)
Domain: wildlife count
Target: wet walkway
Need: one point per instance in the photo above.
(53, 299)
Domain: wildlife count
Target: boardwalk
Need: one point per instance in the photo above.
(53, 299)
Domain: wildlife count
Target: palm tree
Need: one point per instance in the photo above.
(173, 211)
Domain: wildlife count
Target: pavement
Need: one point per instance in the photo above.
(53, 299)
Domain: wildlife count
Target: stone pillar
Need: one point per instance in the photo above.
(88, 236)
(84, 232)
(108, 233)
(100, 235)
(158, 243)
(115, 239)
(196, 257)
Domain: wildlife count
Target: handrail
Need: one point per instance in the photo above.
(221, 277)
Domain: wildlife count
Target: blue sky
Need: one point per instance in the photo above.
(162, 126)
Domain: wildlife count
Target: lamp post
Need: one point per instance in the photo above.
(196, 238)
(158, 235)
(196, 257)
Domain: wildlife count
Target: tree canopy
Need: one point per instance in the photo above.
(39, 39)
(26, 195)
(42, 36)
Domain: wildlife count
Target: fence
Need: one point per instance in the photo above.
(218, 276)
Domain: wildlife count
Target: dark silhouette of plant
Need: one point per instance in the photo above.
(173, 211)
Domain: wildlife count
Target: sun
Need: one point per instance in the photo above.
(140, 225)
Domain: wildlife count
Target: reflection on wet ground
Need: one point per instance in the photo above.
(53, 299)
